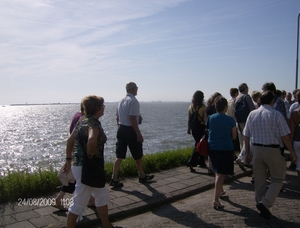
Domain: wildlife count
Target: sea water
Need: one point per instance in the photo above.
(34, 136)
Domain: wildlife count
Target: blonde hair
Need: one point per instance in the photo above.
(255, 95)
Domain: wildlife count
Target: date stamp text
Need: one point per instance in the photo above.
(44, 202)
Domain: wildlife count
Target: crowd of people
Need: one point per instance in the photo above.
(252, 130)
(267, 123)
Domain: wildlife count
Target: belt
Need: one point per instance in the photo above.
(262, 145)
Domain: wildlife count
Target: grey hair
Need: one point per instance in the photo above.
(130, 86)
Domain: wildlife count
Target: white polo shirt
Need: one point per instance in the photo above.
(128, 106)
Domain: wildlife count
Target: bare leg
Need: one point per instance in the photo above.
(71, 220)
(219, 180)
(139, 164)
(91, 201)
(59, 197)
(103, 214)
(116, 168)
(209, 164)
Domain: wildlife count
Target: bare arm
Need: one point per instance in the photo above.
(134, 123)
(69, 151)
(233, 133)
(117, 119)
(291, 124)
(92, 141)
(287, 142)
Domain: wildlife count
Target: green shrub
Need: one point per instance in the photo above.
(23, 184)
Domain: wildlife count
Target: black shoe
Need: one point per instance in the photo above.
(146, 178)
(192, 169)
(116, 184)
(264, 212)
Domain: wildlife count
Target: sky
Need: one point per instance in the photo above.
(62, 50)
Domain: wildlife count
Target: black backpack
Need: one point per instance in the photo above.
(241, 110)
(194, 121)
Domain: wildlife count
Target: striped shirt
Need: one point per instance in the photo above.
(266, 126)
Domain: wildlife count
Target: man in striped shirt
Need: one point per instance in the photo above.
(267, 129)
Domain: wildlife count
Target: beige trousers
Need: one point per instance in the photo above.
(268, 159)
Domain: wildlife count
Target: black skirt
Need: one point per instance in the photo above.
(222, 161)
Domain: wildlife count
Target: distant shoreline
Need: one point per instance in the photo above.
(70, 103)
(43, 104)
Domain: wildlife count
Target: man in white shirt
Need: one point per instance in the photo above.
(129, 135)
(267, 129)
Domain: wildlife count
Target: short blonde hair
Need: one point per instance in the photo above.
(255, 95)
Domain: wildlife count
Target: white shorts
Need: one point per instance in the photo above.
(297, 151)
(83, 193)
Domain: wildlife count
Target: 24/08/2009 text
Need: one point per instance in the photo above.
(43, 202)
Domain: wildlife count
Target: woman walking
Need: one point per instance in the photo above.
(221, 132)
(88, 141)
(196, 126)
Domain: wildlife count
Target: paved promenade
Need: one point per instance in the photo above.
(135, 198)
(240, 211)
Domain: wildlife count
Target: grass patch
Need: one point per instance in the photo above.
(27, 185)
(17, 185)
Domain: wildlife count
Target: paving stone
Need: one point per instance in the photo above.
(26, 215)
(24, 224)
(47, 219)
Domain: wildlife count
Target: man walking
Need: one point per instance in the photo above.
(129, 134)
(243, 105)
(267, 129)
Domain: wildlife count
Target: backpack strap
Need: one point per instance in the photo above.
(197, 111)
(242, 99)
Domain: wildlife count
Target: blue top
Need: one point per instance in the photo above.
(219, 133)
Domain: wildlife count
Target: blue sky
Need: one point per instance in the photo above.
(61, 51)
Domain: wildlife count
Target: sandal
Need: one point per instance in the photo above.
(217, 205)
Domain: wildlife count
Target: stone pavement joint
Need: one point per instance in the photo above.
(134, 198)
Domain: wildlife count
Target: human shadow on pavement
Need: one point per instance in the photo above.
(161, 206)
(253, 219)
(291, 188)
(185, 218)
